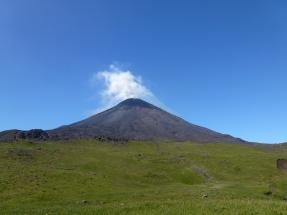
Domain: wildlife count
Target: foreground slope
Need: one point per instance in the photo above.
(135, 119)
(89, 177)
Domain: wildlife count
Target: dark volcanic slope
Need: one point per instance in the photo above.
(138, 120)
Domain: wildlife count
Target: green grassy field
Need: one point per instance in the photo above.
(88, 177)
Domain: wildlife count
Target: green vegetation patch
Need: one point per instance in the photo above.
(89, 177)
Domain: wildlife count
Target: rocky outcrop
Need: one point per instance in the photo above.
(282, 164)
(34, 134)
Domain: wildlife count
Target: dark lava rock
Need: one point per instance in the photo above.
(282, 164)
(268, 193)
(34, 134)
(9, 135)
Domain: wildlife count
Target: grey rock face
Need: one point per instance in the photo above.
(282, 164)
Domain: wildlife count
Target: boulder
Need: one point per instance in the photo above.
(282, 164)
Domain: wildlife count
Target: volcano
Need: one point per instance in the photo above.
(135, 119)
(132, 119)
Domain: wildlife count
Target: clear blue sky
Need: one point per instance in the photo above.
(220, 64)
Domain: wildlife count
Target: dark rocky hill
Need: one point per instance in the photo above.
(132, 119)
(34, 134)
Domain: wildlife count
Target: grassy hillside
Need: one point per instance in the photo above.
(88, 177)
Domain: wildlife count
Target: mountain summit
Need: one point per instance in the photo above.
(135, 119)
(132, 102)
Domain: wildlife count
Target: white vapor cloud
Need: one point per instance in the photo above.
(118, 85)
